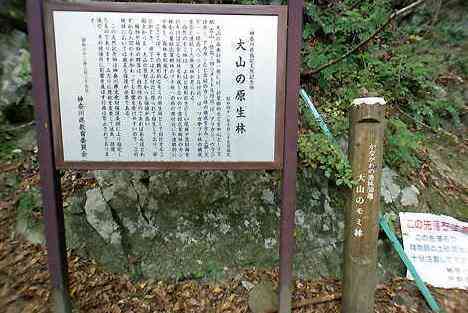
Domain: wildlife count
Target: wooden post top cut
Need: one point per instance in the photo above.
(368, 110)
(369, 101)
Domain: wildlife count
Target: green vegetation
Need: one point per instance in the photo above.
(316, 151)
(29, 200)
(402, 146)
(417, 63)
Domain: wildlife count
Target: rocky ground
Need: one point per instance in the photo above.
(141, 241)
(198, 224)
(25, 287)
(151, 225)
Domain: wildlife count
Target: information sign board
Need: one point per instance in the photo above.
(167, 89)
(438, 247)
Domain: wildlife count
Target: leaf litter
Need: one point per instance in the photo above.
(25, 281)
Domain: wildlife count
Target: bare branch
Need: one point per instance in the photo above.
(394, 15)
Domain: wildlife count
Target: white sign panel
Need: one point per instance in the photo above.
(166, 87)
(438, 247)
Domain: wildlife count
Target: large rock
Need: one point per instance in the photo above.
(15, 78)
(263, 298)
(28, 217)
(178, 224)
(205, 224)
(390, 190)
(409, 196)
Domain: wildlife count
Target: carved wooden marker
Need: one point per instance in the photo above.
(367, 120)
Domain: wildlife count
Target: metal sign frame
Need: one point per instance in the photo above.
(49, 165)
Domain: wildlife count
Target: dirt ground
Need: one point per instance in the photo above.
(25, 287)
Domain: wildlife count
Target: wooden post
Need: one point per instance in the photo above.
(367, 121)
(288, 191)
(50, 182)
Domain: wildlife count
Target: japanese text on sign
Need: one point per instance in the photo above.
(363, 194)
(166, 87)
(438, 247)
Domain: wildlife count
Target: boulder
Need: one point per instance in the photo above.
(180, 224)
(176, 225)
(409, 196)
(390, 190)
(28, 216)
(15, 78)
(263, 298)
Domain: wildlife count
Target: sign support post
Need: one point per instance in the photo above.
(50, 181)
(288, 193)
(367, 120)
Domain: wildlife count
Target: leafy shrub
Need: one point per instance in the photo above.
(316, 151)
(403, 64)
(402, 146)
